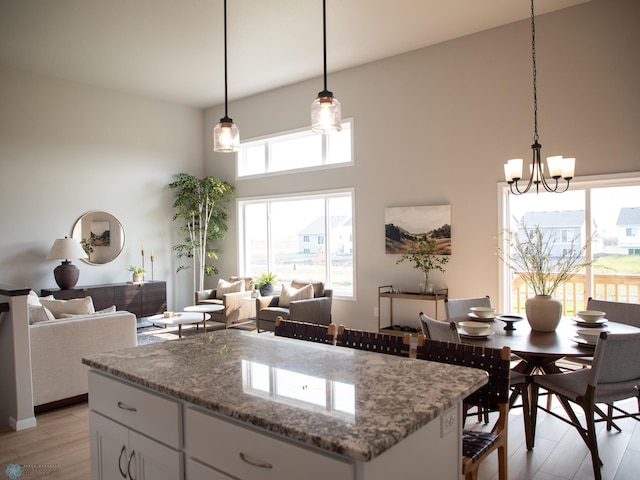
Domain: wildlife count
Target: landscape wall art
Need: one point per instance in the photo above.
(404, 225)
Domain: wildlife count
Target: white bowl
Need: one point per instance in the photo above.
(483, 312)
(590, 315)
(590, 335)
(473, 328)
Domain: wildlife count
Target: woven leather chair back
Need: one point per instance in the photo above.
(492, 360)
(311, 332)
(372, 341)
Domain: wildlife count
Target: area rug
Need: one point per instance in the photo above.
(158, 333)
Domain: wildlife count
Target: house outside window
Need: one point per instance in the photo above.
(299, 237)
(613, 212)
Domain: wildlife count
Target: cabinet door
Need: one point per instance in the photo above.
(154, 298)
(154, 460)
(110, 455)
(129, 298)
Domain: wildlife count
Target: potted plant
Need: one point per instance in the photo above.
(422, 254)
(201, 206)
(138, 273)
(265, 283)
(528, 252)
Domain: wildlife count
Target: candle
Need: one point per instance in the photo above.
(142, 249)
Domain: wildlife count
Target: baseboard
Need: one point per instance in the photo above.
(18, 425)
(65, 402)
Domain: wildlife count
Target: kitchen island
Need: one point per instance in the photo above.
(235, 404)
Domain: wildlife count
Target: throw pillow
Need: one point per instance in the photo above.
(318, 287)
(289, 294)
(110, 309)
(228, 287)
(75, 306)
(37, 312)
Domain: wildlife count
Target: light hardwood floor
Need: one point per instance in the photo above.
(62, 438)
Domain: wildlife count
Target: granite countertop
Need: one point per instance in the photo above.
(350, 402)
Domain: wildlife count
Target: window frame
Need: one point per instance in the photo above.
(267, 140)
(325, 195)
(586, 183)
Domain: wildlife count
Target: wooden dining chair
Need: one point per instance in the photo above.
(460, 307)
(311, 332)
(494, 396)
(374, 341)
(613, 376)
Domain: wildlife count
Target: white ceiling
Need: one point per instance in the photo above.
(173, 49)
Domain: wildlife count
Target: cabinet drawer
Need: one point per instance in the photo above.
(199, 471)
(222, 445)
(155, 416)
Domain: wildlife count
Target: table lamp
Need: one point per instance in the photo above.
(66, 274)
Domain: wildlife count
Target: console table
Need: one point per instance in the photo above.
(386, 292)
(141, 299)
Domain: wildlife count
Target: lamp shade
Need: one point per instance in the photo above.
(66, 248)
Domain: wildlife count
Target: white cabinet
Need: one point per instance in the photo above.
(118, 452)
(251, 455)
(135, 434)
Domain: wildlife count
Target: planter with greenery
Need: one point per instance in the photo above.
(138, 273)
(422, 254)
(201, 207)
(528, 252)
(265, 283)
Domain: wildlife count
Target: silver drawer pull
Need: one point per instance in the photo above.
(127, 408)
(246, 459)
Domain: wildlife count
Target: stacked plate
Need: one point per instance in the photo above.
(474, 329)
(590, 318)
(486, 314)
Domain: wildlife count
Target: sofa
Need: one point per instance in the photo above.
(302, 301)
(58, 345)
(231, 294)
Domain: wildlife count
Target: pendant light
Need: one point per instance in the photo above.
(226, 136)
(325, 109)
(558, 167)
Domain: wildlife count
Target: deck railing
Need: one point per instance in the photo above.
(612, 287)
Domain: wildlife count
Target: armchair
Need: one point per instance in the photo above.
(311, 310)
(230, 295)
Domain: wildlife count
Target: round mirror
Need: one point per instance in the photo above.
(101, 236)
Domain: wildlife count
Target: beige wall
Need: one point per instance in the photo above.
(435, 126)
(66, 149)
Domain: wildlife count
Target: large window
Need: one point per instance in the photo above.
(297, 150)
(605, 207)
(308, 237)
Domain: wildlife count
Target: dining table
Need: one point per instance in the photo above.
(539, 351)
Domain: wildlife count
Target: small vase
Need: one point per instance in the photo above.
(137, 277)
(543, 313)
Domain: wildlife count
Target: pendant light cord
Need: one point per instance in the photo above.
(225, 60)
(324, 40)
(535, 89)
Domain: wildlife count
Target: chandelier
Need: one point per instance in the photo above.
(559, 167)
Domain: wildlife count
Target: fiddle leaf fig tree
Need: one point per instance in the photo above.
(201, 206)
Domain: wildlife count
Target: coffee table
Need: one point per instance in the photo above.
(205, 310)
(179, 319)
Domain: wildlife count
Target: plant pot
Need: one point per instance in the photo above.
(543, 313)
(137, 277)
(266, 290)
